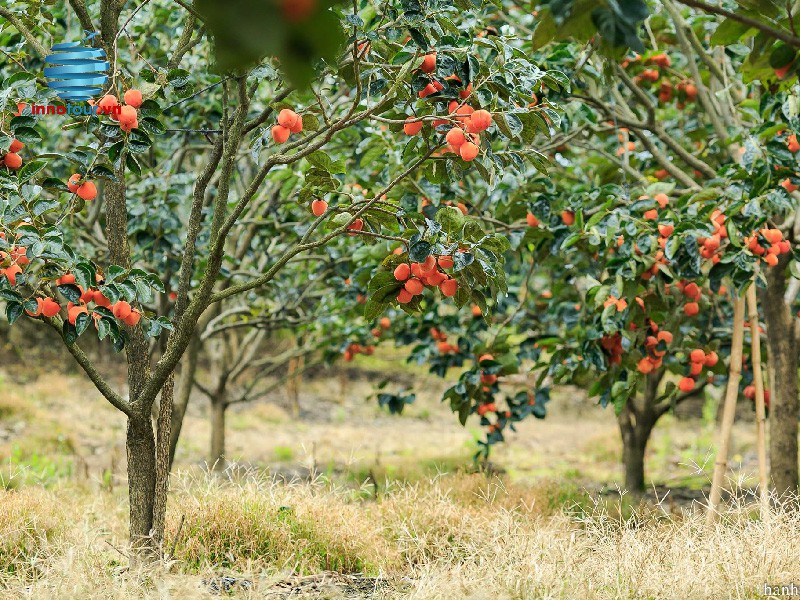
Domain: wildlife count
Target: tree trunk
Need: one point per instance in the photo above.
(293, 384)
(185, 385)
(783, 406)
(141, 447)
(141, 481)
(636, 422)
(217, 456)
(633, 448)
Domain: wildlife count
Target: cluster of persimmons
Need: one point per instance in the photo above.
(126, 115)
(429, 273)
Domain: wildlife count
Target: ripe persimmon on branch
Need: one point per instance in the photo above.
(318, 162)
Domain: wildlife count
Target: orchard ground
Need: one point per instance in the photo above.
(549, 520)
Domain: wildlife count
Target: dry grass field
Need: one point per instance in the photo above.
(349, 502)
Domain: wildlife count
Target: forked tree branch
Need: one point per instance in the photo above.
(782, 35)
(304, 245)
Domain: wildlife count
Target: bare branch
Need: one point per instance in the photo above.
(97, 379)
(745, 20)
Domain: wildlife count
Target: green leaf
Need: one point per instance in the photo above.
(42, 206)
(70, 292)
(152, 327)
(462, 260)
(31, 305)
(10, 295)
(322, 161)
(557, 80)
(464, 411)
(728, 32)
(69, 334)
(545, 30)
(30, 169)
(342, 218)
(450, 218)
(133, 164)
(103, 328)
(84, 275)
(420, 251)
(13, 311)
(496, 243)
(102, 172)
(381, 290)
(51, 183)
(82, 322)
(27, 135)
(113, 272)
(179, 78)
(509, 124)
(143, 292)
(781, 56)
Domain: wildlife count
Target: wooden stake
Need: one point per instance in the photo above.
(729, 410)
(761, 413)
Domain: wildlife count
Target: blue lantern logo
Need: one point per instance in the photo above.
(77, 72)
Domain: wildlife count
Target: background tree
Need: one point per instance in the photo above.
(621, 261)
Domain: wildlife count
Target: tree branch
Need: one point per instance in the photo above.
(754, 23)
(707, 100)
(79, 8)
(663, 407)
(97, 379)
(657, 130)
(24, 31)
(302, 246)
(668, 164)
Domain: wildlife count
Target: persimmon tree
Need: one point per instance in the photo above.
(81, 259)
(735, 144)
(675, 189)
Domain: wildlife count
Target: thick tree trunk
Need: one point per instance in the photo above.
(783, 406)
(636, 422)
(141, 481)
(141, 447)
(635, 426)
(633, 449)
(217, 455)
(147, 498)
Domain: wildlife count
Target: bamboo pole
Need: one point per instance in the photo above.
(729, 410)
(761, 413)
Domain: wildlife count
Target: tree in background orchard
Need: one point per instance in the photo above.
(735, 141)
(676, 186)
(680, 114)
(402, 64)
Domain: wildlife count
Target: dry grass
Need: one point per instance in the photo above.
(534, 533)
(31, 523)
(461, 536)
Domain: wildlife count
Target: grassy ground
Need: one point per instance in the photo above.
(378, 506)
